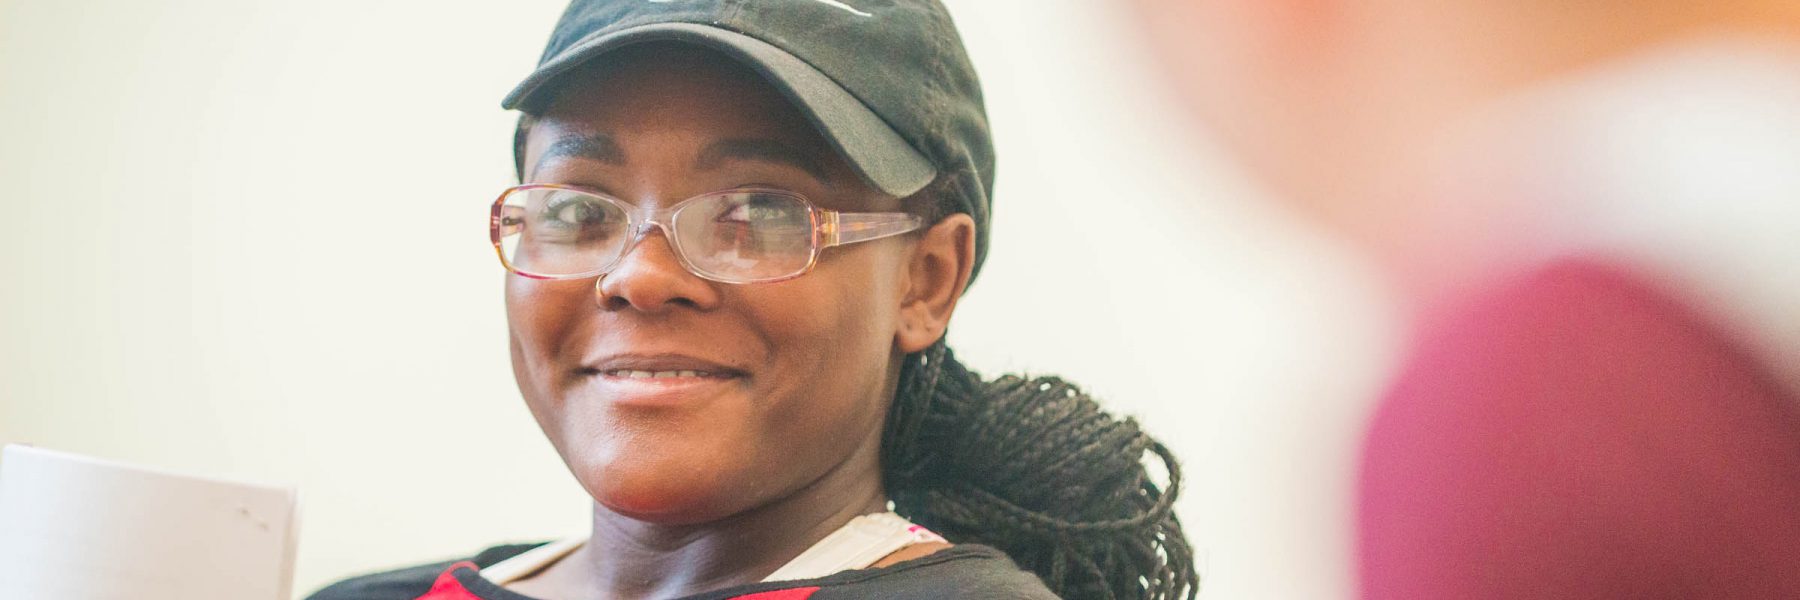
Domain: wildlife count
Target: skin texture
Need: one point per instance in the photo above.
(704, 485)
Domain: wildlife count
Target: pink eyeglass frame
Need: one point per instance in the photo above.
(829, 228)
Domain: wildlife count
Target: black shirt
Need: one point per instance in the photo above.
(963, 571)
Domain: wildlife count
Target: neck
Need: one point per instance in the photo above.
(629, 558)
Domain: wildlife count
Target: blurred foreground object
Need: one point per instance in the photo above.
(78, 528)
(1594, 214)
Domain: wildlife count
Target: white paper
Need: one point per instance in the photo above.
(79, 528)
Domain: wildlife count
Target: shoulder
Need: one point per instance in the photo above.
(1577, 339)
(410, 582)
(1573, 316)
(1587, 426)
(961, 571)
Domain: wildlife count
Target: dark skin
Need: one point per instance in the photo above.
(702, 483)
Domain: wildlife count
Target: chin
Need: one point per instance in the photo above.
(667, 490)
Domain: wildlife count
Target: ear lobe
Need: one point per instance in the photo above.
(938, 274)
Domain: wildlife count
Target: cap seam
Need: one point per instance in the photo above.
(733, 13)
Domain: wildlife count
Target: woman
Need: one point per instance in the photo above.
(732, 266)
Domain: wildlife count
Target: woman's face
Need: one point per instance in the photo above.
(801, 370)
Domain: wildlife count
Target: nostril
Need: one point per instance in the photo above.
(607, 300)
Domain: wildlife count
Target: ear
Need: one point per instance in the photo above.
(935, 280)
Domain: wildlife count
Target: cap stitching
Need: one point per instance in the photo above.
(732, 13)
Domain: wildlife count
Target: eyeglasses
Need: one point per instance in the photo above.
(748, 235)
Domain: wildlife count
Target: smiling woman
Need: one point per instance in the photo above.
(732, 263)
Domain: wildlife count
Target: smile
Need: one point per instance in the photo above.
(661, 380)
(643, 389)
(659, 366)
(639, 374)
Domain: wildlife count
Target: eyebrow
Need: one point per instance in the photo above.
(762, 150)
(597, 146)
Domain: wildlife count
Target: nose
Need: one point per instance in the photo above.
(650, 278)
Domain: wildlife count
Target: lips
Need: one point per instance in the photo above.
(660, 366)
(660, 380)
(637, 374)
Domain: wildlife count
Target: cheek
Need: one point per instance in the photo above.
(837, 346)
(543, 315)
(823, 340)
(840, 318)
(832, 339)
(544, 319)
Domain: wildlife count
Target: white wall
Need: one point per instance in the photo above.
(184, 284)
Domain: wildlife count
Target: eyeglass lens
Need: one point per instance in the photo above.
(730, 236)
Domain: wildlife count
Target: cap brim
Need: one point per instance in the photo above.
(877, 153)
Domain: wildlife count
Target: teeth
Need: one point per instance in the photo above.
(636, 374)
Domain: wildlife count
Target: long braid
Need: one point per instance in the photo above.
(1034, 467)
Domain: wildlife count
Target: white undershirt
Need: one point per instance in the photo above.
(858, 544)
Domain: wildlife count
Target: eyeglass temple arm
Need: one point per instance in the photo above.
(849, 228)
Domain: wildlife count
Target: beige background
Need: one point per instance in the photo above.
(247, 239)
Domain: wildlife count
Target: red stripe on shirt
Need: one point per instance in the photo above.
(447, 587)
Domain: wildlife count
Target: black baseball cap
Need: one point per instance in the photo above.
(887, 82)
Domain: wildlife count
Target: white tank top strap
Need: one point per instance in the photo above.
(531, 561)
(857, 545)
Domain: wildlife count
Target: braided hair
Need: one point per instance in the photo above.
(1033, 466)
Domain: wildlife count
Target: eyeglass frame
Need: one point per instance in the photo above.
(830, 228)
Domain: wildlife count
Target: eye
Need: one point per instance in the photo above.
(572, 210)
(760, 208)
(734, 213)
